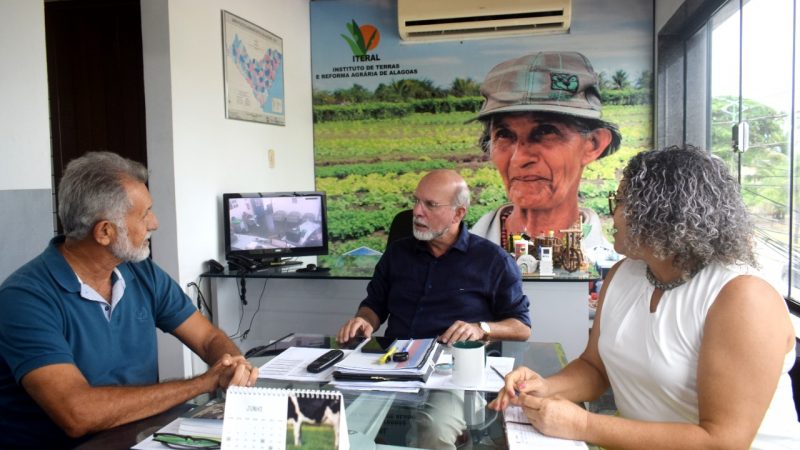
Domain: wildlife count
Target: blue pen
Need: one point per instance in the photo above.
(408, 345)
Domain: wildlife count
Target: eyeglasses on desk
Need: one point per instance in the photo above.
(183, 441)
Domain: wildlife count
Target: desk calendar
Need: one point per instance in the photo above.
(279, 419)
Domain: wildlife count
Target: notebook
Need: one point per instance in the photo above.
(360, 366)
(522, 435)
(278, 419)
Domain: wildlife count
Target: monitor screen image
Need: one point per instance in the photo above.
(275, 225)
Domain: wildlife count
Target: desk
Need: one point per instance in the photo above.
(126, 436)
(323, 301)
(382, 417)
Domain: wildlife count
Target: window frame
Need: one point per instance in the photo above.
(683, 57)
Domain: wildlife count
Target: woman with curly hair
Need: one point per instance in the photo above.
(696, 348)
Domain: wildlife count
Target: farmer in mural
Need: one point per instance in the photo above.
(542, 127)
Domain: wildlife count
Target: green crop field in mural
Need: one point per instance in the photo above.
(369, 167)
(386, 112)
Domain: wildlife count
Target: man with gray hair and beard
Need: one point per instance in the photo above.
(444, 282)
(78, 349)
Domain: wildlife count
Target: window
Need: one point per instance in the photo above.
(727, 82)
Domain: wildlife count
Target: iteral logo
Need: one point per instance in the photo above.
(362, 40)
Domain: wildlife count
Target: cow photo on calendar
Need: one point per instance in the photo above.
(313, 422)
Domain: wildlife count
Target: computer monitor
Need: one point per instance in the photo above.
(269, 227)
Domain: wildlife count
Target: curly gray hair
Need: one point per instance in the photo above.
(92, 190)
(683, 202)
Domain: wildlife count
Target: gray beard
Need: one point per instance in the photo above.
(428, 235)
(122, 248)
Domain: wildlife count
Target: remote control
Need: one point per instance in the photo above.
(326, 360)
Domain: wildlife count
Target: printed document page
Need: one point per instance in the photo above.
(291, 365)
(522, 435)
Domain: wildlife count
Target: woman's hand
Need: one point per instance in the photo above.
(555, 416)
(521, 379)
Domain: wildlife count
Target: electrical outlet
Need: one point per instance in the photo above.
(271, 158)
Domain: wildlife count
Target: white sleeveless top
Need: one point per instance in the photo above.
(651, 358)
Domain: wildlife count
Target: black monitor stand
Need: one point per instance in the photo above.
(246, 264)
(279, 262)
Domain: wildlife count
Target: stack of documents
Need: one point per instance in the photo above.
(204, 421)
(201, 427)
(360, 366)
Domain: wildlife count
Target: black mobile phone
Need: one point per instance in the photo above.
(378, 345)
(326, 360)
(348, 345)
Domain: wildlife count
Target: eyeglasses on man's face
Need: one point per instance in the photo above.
(613, 201)
(427, 204)
(173, 440)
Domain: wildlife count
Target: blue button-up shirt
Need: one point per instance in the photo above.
(421, 295)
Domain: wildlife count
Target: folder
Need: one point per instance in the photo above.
(358, 366)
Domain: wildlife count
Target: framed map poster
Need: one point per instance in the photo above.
(253, 72)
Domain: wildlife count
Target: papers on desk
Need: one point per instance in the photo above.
(360, 371)
(367, 367)
(522, 435)
(410, 387)
(291, 365)
(491, 381)
(205, 420)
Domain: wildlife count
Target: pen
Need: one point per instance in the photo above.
(387, 355)
(408, 345)
(516, 392)
(498, 373)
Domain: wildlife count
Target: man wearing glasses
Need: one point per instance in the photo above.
(444, 282)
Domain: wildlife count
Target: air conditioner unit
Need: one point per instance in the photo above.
(435, 20)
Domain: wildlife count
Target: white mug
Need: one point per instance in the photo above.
(469, 363)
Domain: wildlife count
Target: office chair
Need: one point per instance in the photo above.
(401, 226)
(293, 218)
(794, 374)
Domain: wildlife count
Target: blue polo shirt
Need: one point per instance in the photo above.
(421, 295)
(44, 320)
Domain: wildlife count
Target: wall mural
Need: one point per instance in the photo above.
(386, 111)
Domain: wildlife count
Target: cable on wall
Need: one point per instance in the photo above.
(201, 300)
(243, 335)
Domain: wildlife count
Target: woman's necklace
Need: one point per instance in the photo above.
(665, 286)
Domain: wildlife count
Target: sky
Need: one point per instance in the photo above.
(613, 34)
(766, 53)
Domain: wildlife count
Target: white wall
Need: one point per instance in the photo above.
(25, 176)
(24, 117)
(215, 155)
(194, 153)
